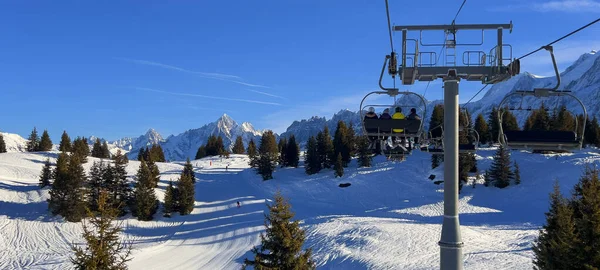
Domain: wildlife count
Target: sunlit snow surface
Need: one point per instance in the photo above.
(390, 218)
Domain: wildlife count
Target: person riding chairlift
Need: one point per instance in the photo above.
(398, 115)
(371, 115)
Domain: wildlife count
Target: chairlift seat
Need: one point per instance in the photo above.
(410, 126)
(538, 136)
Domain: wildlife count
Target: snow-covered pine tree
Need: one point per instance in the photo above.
(555, 247)
(281, 244)
(145, 200)
(185, 194)
(292, 152)
(312, 161)
(2, 144)
(46, 174)
(500, 171)
(33, 141)
(364, 153)
(104, 248)
(65, 142)
(338, 167)
(45, 142)
(238, 146)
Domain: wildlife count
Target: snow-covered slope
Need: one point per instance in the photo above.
(186, 144)
(389, 218)
(14, 142)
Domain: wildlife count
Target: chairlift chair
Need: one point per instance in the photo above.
(436, 144)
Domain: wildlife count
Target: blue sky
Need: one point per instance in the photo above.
(117, 68)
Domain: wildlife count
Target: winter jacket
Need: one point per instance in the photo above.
(398, 115)
(413, 116)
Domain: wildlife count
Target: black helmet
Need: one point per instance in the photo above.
(398, 109)
(413, 110)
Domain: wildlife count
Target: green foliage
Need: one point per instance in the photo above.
(45, 142)
(282, 147)
(33, 141)
(81, 149)
(46, 174)
(292, 152)
(338, 167)
(281, 244)
(156, 153)
(312, 161)
(238, 146)
(188, 169)
(2, 144)
(145, 200)
(105, 151)
(500, 172)
(95, 184)
(185, 194)
(154, 172)
(201, 153)
(342, 143)
(325, 148)
(104, 249)
(118, 186)
(65, 142)
(143, 154)
(252, 154)
(538, 120)
(97, 149)
(586, 205)
(517, 173)
(364, 153)
(482, 128)
(66, 195)
(592, 132)
(215, 146)
(171, 201)
(563, 120)
(437, 119)
(267, 155)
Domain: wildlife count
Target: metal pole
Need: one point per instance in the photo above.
(450, 242)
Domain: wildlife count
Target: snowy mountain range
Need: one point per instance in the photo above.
(582, 78)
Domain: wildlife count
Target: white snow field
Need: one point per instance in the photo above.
(389, 218)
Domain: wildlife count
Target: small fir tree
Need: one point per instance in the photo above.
(119, 188)
(268, 155)
(81, 149)
(65, 142)
(500, 171)
(77, 179)
(33, 141)
(154, 172)
(281, 244)
(97, 149)
(339, 166)
(238, 146)
(170, 204)
(586, 205)
(364, 153)
(325, 148)
(341, 143)
(61, 190)
(156, 153)
(188, 169)
(312, 162)
(104, 248)
(201, 153)
(482, 128)
(46, 174)
(143, 154)
(45, 142)
(2, 144)
(293, 152)
(281, 146)
(517, 173)
(252, 154)
(95, 184)
(105, 151)
(185, 194)
(145, 198)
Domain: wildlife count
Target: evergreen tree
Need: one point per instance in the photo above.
(65, 142)
(95, 185)
(341, 143)
(2, 144)
(145, 198)
(509, 121)
(156, 153)
(46, 174)
(482, 128)
(487, 179)
(351, 141)
(105, 151)
(500, 172)
(81, 149)
(555, 247)
(292, 152)
(97, 149)
(60, 187)
(154, 172)
(268, 155)
(325, 148)
(538, 120)
(252, 154)
(220, 146)
(104, 249)
(312, 162)
(33, 141)
(188, 169)
(201, 153)
(66, 195)
(281, 245)
(142, 154)
(238, 146)
(45, 142)
(77, 179)
(170, 204)
(185, 194)
(592, 132)
(364, 154)
(281, 146)
(493, 125)
(436, 160)
(119, 188)
(517, 173)
(338, 167)
(564, 120)
(437, 119)
(586, 204)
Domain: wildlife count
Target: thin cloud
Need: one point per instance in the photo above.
(204, 96)
(266, 94)
(207, 75)
(573, 6)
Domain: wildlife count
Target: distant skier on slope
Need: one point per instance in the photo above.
(238, 203)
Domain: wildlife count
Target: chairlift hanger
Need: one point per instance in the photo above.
(542, 140)
(436, 146)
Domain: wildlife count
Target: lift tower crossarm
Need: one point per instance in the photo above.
(454, 27)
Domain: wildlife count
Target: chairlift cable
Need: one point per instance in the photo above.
(459, 9)
(387, 11)
(484, 86)
(563, 37)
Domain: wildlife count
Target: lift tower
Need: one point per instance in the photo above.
(476, 65)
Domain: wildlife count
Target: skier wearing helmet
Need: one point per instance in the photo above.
(371, 115)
